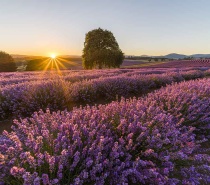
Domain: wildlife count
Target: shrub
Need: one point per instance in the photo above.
(144, 141)
(7, 63)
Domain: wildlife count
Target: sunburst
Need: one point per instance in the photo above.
(53, 56)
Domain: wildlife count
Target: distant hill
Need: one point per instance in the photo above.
(182, 56)
(25, 56)
(170, 56)
(19, 56)
(200, 56)
(69, 56)
(175, 56)
(145, 56)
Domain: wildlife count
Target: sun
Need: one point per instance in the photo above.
(53, 56)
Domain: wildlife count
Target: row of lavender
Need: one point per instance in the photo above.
(159, 139)
(185, 63)
(75, 76)
(59, 94)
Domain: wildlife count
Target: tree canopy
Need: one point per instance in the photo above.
(101, 50)
(7, 63)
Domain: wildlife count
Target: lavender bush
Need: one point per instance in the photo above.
(63, 92)
(151, 140)
(75, 76)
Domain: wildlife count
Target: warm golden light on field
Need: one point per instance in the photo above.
(53, 56)
(54, 63)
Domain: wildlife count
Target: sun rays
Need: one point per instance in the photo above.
(59, 63)
(54, 64)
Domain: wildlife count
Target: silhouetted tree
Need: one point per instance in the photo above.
(101, 50)
(7, 63)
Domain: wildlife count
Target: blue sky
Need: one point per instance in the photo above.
(152, 27)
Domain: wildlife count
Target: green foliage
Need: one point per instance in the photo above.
(36, 64)
(101, 50)
(7, 63)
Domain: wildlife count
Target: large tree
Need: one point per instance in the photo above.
(101, 50)
(7, 63)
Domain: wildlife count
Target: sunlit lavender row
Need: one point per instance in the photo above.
(74, 75)
(65, 92)
(162, 138)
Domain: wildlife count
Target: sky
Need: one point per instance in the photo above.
(141, 27)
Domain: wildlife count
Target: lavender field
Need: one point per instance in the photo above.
(23, 93)
(104, 92)
(122, 126)
(184, 63)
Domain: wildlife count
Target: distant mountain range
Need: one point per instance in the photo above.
(180, 56)
(177, 56)
(201, 55)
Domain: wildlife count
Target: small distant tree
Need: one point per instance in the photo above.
(7, 63)
(101, 50)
